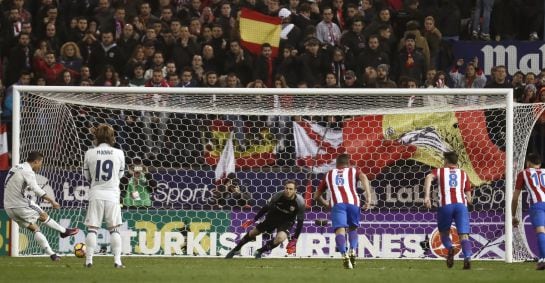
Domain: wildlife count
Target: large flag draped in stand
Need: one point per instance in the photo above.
(226, 163)
(257, 28)
(4, 155)
(375, 142)
(317, 146)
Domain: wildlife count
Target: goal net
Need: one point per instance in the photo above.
(202, 160)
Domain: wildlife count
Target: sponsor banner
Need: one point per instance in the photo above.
(392, 235)
(524, 56)
(192, 189)
(382, 234)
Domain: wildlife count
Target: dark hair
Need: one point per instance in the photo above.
(34, 156)
(451, 157)
(343, 160)
(533, 158)
(290, 181)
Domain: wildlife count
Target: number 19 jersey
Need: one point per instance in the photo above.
(103, 167)
(452, 183)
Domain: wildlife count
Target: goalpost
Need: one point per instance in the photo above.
(181, 143)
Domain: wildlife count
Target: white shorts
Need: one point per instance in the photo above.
(99, 210)
(24, 216)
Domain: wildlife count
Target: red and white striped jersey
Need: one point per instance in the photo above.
(534, 181)
(341, 184)
(453, 183)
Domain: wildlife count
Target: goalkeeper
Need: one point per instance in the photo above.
(282, 210)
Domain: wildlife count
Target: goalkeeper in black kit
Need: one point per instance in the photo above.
(282, 210)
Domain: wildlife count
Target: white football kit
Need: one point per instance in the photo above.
(103, 167)
(21, 178)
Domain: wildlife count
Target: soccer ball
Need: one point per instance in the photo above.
(79, 250)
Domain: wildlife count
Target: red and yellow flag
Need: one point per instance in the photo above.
(257, 28)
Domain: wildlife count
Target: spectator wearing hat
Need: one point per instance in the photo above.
(290, 34)
(411, 61)
(383, 77)
(350, 80)
(420, 42)
(328, 32)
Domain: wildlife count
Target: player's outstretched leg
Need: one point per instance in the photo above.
(51, 223)
(242, 242)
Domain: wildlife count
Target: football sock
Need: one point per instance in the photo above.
(340, 240)
(445, 239)
(242, 242)
(466, 248)
(91, 242)
(541, 244)
(42, 241)
(51, 223)
(115, 242)
(353, 239)
(268, 246)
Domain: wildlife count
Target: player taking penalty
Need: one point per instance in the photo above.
(345, 205)
(282, 210)
(25, 212)
(454, 196)
(533, 179)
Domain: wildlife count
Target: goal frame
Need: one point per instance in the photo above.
(509, 141)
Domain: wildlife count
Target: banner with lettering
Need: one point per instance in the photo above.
(382, 234)
(524, 56)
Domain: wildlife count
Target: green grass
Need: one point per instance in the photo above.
(149, 269)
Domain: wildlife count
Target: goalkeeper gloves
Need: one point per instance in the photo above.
(247, 223)
(292, 246)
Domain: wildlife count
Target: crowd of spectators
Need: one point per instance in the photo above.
(324, 43)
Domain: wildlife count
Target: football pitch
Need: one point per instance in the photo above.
(150, 269)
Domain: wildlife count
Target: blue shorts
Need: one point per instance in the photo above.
(456, 211)
(537, 214)
(345, 215)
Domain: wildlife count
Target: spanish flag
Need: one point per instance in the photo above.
(256, 29)
(221, 150)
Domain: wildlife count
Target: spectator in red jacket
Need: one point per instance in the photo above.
(46, 65)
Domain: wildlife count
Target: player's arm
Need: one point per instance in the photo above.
(30, 179)
(519, 185)
(318, 194)
(427, 188)
(467, 190)
(263, 210)
(367, 190)
(86, 172)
